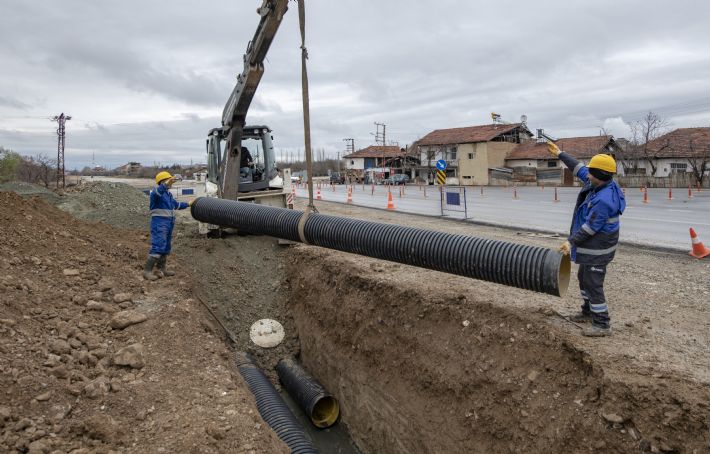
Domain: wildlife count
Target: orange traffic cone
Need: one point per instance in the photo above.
(318, 195)
(645, 196)
(699, 250)
(350, 195)
(390, 202)
(670, 193)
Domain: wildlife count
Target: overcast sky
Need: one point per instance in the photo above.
(145, 80)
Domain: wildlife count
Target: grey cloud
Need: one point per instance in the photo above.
(12, 102)
(572, 67)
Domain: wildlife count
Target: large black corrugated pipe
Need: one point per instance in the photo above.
(272, 407)
(248, 217)
(516, 265)
(309, 394)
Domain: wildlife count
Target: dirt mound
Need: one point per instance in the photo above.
(117, 204)
(29, 189)
(94, 359)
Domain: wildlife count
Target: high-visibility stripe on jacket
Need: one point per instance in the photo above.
(594, 233)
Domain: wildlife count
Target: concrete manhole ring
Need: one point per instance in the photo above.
(266, 333)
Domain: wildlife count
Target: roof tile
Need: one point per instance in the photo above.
(376, 151)
(470, 134)
(681, 143)
(579, 147)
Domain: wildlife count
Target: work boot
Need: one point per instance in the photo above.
(161, 267)
(148, 269)
(596, 331)
(581, 317)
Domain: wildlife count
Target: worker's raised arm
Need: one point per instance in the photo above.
(577, 167)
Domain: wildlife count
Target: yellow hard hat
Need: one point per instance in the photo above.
(603, 162)
(162, 176)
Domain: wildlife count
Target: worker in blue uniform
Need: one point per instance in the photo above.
(162, 221)
(594, 234)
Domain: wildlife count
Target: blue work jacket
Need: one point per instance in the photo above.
(162, 219)
(594, 233)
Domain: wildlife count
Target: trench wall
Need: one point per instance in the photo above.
(420, 366)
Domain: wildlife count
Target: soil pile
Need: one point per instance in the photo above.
(29, 189)
(93, 359)
(117, 204)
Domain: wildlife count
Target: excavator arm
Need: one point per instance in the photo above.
(235, 111)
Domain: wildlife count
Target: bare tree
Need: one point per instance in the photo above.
(47, 169)
(699, 160)
(28, 171)
(650, 127)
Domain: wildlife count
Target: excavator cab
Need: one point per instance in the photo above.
(258, 174)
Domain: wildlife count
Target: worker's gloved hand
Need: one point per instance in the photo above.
(189, 202)
(565, 248)
(553, 149)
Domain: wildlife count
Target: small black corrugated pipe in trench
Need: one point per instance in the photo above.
(516, 265)
(272, 407)
(321, 407)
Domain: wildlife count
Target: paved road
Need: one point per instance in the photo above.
(660, 222)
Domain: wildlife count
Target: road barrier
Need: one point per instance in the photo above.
(390, 202)
(698, 248)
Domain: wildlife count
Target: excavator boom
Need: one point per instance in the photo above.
(235, 111)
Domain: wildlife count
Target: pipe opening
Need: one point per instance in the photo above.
(325, 412)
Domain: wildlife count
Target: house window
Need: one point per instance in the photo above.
(551, 163)
(352, 162)
(452, 154)
(678, 167)
(472, 155)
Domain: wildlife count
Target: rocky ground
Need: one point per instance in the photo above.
(94, 359)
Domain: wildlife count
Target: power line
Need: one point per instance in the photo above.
(380, 137)
(349, 146)
(61, 119)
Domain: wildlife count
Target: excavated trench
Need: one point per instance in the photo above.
(425, 362)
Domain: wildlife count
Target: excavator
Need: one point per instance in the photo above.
(229, 176)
